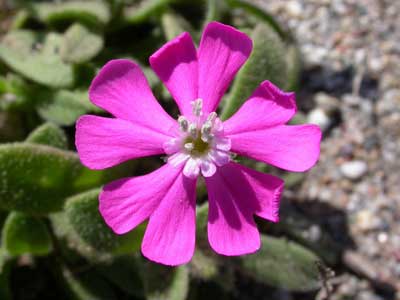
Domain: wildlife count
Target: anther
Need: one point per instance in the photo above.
(183, 123)
(193, 130)
(197, 107)
(189, 146)
(206, 131)
(211, 117)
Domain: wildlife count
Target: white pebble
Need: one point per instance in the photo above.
(354, 169)
(319, 117)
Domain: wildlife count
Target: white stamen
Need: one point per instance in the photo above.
(189, 146)
(183, 123)
(197, 107)
(193, 130)
(201, 146)
(206, 131)
(211, 117)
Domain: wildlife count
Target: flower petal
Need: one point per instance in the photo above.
(192, 167)
(105, 142)
(176, 65)
(263, 190)
(127, 202)
(207, 167)
(268, 106)
(178, 158)
(122, 89)
(219, 157)
(231, 227)
(294, 148)
(223, 50)
(170, 235)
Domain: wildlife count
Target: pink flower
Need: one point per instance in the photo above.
(197, 143)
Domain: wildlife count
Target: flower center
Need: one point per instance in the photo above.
(201, 144)
(196, 147)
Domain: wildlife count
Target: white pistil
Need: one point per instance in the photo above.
(183, 123)
(189, 146)
(197, 107)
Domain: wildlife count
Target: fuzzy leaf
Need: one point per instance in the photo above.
(50, 135)
(64, 107)
(174, 24)
(86, 223)
(164, 283)
(123, 271)
(20, 19)
(15, 93)
(5, 269)
(254, 8)
(89, 12)
(266, 62)
(36, 178)
(283, 264)
(87, 286)
(25, 234)
(80, 44)
(10, 127)
(294, 65)
(36, 57)
(139, 13)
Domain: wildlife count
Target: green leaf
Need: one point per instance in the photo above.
(5, 269)
(80, 44)
(257, 10)
(87, 286)
(164, 283)
(201, 219)
(283, 264)
(215, 10)
(294, 65)
(203, 266)
(36, 178)
(144, 10)
(64, 107)
(25, 234)
(15, 93)
(93, 13)
(86, 224)
(124, 272)
(174, 24)
(36, 57)
(299, 227)
(267, 62)
(48, 134)
(11, 127)
(20, 19)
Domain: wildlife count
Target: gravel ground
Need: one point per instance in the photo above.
(351, 87)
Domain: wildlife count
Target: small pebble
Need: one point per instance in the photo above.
(354, 169)
(319, 117)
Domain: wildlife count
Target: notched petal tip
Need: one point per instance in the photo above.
(285, 99)
(175, 64)
(184, 37)
(216, 29)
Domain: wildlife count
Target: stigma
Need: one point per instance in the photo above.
(200, 145)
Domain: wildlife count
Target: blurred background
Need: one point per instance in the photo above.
(339, 234)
